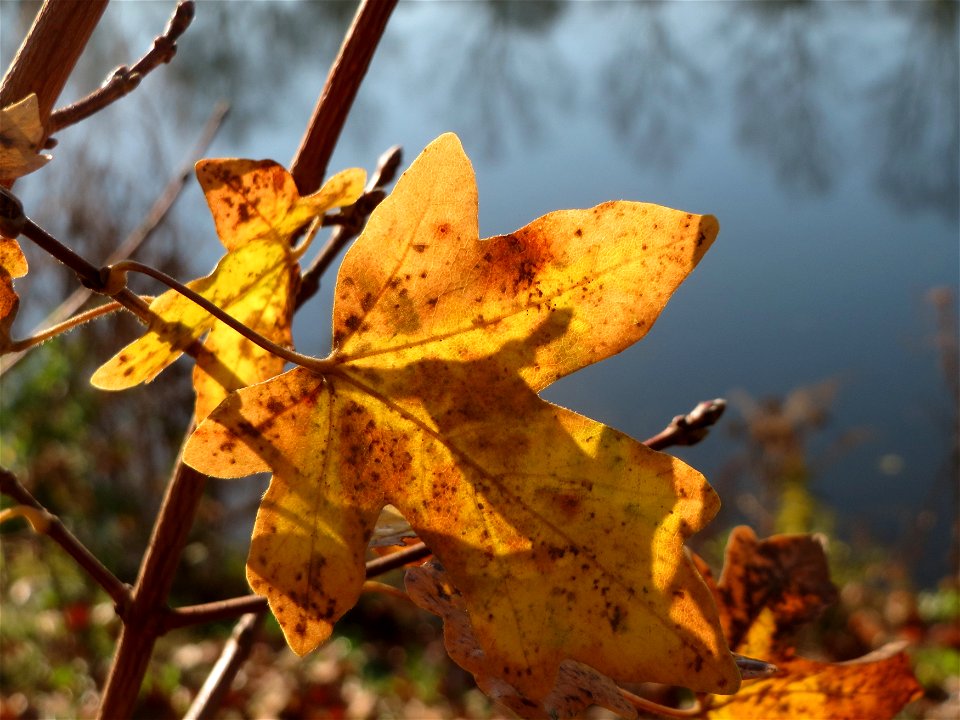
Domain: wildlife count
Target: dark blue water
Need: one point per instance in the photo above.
(824, 136)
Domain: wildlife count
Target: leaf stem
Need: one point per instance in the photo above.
(119, 592)
(641, 703)
(311, 363)
(125, 80)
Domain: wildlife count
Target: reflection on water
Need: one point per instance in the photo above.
(842, 116)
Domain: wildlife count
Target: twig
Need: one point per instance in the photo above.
(50, 51)
(310, 162)
(212, 612)
(689, 429)
(124, 80)
(350, 223)
(142, 623)
(231, 659)
(20, 347)
(412, 553)
(226, 609)
(57, 531)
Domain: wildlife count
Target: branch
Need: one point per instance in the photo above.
(125, 80)
(57, 531)
(50, 51)
(350, 223)
(20, 347)
(231, 659)
(309, 165)
(688, 429)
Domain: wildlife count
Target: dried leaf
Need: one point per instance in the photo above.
(767, 589)
(875, 686)
(13, 264)
(564, 536)
(21, 135)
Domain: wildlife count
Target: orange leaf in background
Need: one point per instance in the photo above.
(766, 590)
(256, 210)
(12, 265)
(21, 132)
(564, 536)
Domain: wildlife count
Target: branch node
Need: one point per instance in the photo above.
(12, 218)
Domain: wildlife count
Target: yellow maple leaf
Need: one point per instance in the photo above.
(768, 588)
(13, 264)
(253, 199)
(564, 536)
(253, 282)
(21, 133)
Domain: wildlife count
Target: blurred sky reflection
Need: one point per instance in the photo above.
(824, 136)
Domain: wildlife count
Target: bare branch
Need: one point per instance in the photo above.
(347, 72)
(350, 222)
(689, 429)
(124, 80)
(231, 659)
(119, 592)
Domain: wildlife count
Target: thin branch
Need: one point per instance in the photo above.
(212, 612)
(231, 659)
(351, 222)
(21, 346)
(411, 553)
(50, 51)
(346, 74)
(57, 531)
(689, 429)
(124, 80)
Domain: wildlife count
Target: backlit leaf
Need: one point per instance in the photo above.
(563, 536)
(256, 209)
(253, 199)
(21, 133)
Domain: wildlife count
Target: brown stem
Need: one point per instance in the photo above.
(688, 429)
(310, 162)
(56, 531)
(21, 346)
(49, 52)
(350, 227)
(125, 79)
(231, 659)
(143, 621)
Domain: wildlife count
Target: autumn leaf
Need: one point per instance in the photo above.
(577, 686)
(254, 199)
(563, 536)
(769, 588)
(256, 209)
(21, 133)
(13, 264)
